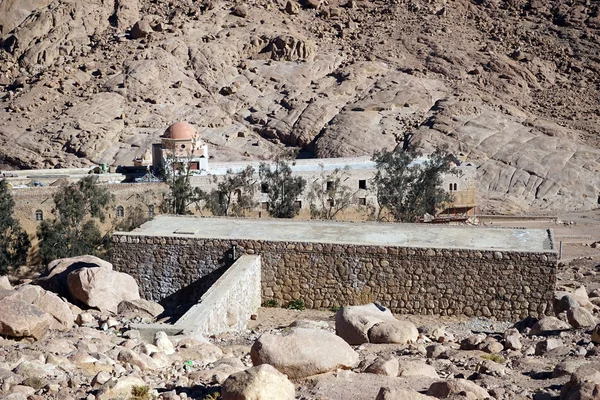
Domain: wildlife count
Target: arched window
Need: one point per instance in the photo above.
(39, 215)
(120, 212)
(450, 187)
(455, 186)
(150, 211)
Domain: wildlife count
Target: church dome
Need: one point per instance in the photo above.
(180, 130)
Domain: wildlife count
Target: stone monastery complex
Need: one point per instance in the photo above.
(33, 189)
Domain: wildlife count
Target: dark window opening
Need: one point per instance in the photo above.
(298, 204)
(39, 215)
(329, 185)
(362, 184)
(330, 203)
(264, 188)
(455, 186)
(120, 211)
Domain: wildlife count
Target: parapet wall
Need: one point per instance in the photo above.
(502, 284)
(228, 305)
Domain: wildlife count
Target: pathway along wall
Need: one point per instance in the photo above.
(501, 284)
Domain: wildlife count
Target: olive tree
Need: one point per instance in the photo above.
(234, 193)
(408, 185)
(329, 194)
(282, 188)
(74, 230)
(14, 242)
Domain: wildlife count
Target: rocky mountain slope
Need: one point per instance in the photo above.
(513, 85)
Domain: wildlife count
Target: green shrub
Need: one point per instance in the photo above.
(334, 308)
(296, 305)
(140, 393)
(270, 303)
(494, 357)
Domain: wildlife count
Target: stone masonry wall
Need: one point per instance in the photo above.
(505, 285)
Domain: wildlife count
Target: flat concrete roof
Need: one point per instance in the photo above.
(360, 233)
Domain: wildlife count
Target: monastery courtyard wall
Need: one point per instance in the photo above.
(439, 270)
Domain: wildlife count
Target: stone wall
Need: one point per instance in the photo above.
(228, 305)
(501, 284)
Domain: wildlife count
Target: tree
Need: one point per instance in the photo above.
(234, 194)
(74, 231)
(329, 194)
(181, 194)
(282, 188)
(14, 242)
(408, 186)
(134, 218)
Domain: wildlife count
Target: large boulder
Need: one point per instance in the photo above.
(453, 387)
(584, 384)
(262, 382)
(549, 325)
(5, 283)
(62, 317)
(55, 279)
(301, 352)
(580, 317)
(20, 319)
(372, 323)
(102, 288)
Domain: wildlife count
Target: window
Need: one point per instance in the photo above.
(39, 215)
(455, 185)
(298, 204)
(329, 185)
(450, 187)
(264, 188)
(330, 202)
(362, 184)
(362, 201)
(120, 212)
(183, 146)
(150, 211)
(194, 166)
(264, 205)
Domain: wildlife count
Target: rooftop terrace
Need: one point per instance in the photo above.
(361, 233)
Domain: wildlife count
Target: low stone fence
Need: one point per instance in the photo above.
(506, 285)
(228, 305)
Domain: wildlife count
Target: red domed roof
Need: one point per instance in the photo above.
(180, 130)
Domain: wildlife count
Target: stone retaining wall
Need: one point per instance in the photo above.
(501, 284)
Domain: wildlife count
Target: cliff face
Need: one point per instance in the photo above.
(513, 85)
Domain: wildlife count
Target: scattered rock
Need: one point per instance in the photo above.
(549, 325)
(140, 308)
(584, 384)
(417, 368)
(292, 7)
(579, 317)
(401, 394)
(240, 10)
(140, 30)
(384, 366)
(454, 387)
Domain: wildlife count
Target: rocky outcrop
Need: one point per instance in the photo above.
(303, 352)
(584, 383)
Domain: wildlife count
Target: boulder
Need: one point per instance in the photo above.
(292, 7)
(401, 394)
(140, 308)
(55, 279)
(301, 352)
(5, 283)
(62, 317)
(119, 388)
(262, 382)
(596, 334)
(564, 302)
(384, 366)
(584, 384)
(240, 10)
(453, 387)
(417, 368)
(581, 296)
(140, 29)
(355, 325)
(547, 345)
(549, 325)
(579, 317)
(163, 343)
(20, 319)
(127, 13)
(102, 288)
